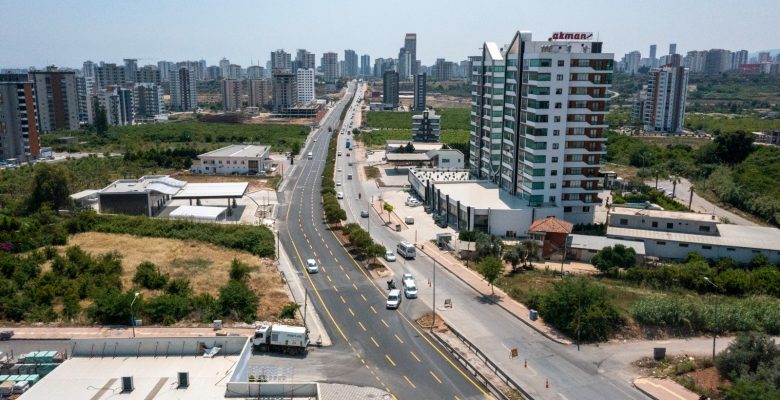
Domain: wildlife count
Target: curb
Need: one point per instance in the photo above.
(543, 333)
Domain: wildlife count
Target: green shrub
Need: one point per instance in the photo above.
(148, 276)
(238, 302)
(289, 310)
(581, 309)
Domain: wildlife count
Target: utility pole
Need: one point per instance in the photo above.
(433, 306)
(690, 200)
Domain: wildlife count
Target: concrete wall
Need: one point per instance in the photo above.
(668, 249)
(268, 390)
(175, 346)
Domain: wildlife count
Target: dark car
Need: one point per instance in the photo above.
(6, 335)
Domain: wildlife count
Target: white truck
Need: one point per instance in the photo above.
(281, 338)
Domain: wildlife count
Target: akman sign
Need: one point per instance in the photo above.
(572, 36)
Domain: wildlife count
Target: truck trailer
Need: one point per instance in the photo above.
(281, 338)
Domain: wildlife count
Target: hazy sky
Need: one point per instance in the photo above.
(67, 32)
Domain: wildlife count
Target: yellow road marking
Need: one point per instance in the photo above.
(364, 297)
(390, 359)
(383, 321)
(435, 377)
(362, 326)
(350, 311)
(335, 288)
(399, 339)
(373, 309)
(415, 356)
(342, 300)
(375, 343)
(328, 276)
(410, 382)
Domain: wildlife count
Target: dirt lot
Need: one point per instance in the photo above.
(205, 265)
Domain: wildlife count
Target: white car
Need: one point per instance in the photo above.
(338, 170)
(339, 195)
(338, 154)
(338, 183)
(390, 256)
(408, 280)
(311, 266)
(410, 291)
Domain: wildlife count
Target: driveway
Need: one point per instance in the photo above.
(701, 205)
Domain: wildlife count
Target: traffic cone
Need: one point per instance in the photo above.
(547, 383)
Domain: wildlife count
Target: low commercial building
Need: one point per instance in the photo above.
(674, 234)
(584, 247)
(467, 204)
(237, 159)
(552, 234)
(424, 155)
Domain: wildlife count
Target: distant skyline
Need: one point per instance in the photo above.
(44, 32)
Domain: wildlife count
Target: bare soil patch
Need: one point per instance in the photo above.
(426, 320)
(206, 266)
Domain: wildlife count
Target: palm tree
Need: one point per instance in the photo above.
(658, 172)
(530, 250)
(675, 181)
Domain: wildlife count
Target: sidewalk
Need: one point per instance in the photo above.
(476, 282)
(663, 389)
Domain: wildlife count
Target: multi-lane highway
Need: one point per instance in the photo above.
(396, 355)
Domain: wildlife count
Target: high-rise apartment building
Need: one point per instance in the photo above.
(285, 90)
(56, 94)
(18, 118)
(304, 59)
(280, 59)
(426, 127)
(420, 91)
(231, 95)
(672, 48)
(197, 69)
(255, 72)
(390, 90)
(259, 92)
(442, 70)
(365, 65)
(664, 99)
(739, 58)
(234, 72)
(184, 96)
(410, 44)
(165, 68)
(109, 74)
(632, 62)
(85, 87)
(88, 69)
(653, 61)
(131, 67)
(717, 61)
(213, 72)
(148, 74)
(224, 66)
(404, 64)
(379, 67)
(694, 61)
(148, 100)
(350, 64)
(330, 66)
(537, 125)
(764, 56)
(305, 83)
(118, 104)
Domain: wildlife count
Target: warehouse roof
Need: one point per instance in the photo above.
(198, 212)
(239, 151)
(599, 242)
(681, 215)
(219, 190)
(152, 183)
(750, 237)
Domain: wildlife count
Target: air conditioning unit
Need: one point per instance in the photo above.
(184, 380)
(127, 384)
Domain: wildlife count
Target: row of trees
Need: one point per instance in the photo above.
(362, 243)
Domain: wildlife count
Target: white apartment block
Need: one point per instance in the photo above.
(184, 96)
(664, 108)
(537, 121)
(231, 95)
(148, 100)
(57, 99)
(305, 78)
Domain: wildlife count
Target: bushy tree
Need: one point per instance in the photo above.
(746, 354)
(113, 307)
(512, 255)
(611, 258)
(167, 309)
(239, 271)
(490, 268)
(50, 186)
(733, 147)
(147, 275)
(488, 245)
(237, 301)
(581, 309)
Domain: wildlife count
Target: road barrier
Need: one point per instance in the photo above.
(491, 365)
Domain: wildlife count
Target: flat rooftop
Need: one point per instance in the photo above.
(212, 190)
(681, 215)
(750, 237)
(239, 151)
(599, 242)
(419, 147)
(437, 175)
(152, 183)
(481, 195)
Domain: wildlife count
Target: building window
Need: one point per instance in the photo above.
(557, 118)
(655, 224)
(556, 132)
(683, 244)
(558, 105)
(552, 199)
(567, 209)
(561, 63)
(555, 146)
(558, 91)
(554, 172)
(705, 247)
(553, 185)
(554, 159)
(704, 228)
(729, 249)
(559, 77)
(586, 209)
(623, 221)
(660, 243)
(669, 225)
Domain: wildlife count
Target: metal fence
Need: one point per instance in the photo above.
(491, 365)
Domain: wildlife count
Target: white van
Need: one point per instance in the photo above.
(311, 155)
(394, 299)
(406, 250)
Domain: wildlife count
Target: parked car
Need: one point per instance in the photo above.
(390, 256)
(339, 195)
(6, 335)
(394, 299)
(364, 214)
(407, 279)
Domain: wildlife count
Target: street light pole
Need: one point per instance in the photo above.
(433, 306)
(132, 315)
(714, 325)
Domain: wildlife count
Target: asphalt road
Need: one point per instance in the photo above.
(571, 374)
(389, 347)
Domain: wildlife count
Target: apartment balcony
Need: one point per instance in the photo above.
(586, 150)
(585, 138)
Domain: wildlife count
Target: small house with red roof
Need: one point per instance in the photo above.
(552, 233)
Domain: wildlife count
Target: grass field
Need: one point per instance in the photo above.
(181, 134)
(451, 119)
(205, 265)
(693, 142)
(377, 138)
(717, 123)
